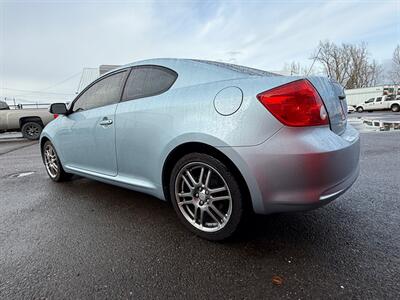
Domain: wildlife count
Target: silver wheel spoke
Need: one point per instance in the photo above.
(216, 210)
(196, 208)
(207, 178)
(187, 182)
(201, 176)
(191, 177)
(220, 198)
(217, 190)
(213, 217)
(201, 217)
(183, 195)
(186, 202)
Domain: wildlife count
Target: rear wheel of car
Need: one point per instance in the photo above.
(360, 109)
(206, 196)
(395, 108)
(52, 163)
(31, 130)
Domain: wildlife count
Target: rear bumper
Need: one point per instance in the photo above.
(299, 168)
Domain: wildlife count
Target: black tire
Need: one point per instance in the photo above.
(31, 130)
(61, 175)
(395, 108)
(360, 109)
(232, 220)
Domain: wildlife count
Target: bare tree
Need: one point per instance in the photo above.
(394, 73)
(296, 69)
(293, 68)
(348, 64)
(334, 60)
(375, 73)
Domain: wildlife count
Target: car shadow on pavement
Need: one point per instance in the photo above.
(261, 235)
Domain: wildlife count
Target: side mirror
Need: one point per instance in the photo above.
(58, 109)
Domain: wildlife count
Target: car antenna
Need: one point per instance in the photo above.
(315, 58)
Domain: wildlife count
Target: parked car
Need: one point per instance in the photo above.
(29, 121)
(350, 109)
(380, 103)
(217, 140)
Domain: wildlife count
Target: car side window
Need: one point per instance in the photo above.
(104, 92)
(369, 100)
(146, 81)
(390, 98)
(379, 99)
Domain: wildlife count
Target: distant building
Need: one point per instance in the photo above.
(91, 74)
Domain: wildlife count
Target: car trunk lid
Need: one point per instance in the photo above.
(333, 96)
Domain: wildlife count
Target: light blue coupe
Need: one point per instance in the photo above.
(215, 139)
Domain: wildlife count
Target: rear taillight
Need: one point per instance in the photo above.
(55, 116)
(295, 104)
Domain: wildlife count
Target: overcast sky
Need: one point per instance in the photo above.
(43, 42)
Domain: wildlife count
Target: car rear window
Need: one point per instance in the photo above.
(146, 81)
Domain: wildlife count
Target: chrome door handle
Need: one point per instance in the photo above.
(106, 122)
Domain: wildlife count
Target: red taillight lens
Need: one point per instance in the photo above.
(55, 116)
(295, 104)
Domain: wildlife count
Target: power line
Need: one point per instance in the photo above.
(32, 91)
(62, 81)
(41, 91)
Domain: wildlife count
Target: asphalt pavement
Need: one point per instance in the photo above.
(83, 239)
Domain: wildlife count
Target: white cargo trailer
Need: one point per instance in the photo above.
(358, 96)
(355, 97)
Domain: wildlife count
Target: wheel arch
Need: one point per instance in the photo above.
(27, 119)
(198, 147)
(394, 104)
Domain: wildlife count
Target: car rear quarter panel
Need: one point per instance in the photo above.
(148, 129)
(297, 166)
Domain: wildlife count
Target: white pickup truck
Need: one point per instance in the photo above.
(380, 103)
(29, 121)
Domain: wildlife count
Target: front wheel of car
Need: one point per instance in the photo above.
(206, 196)
(360, 109)
(52, 163)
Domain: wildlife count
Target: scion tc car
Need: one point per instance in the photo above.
(215, 139)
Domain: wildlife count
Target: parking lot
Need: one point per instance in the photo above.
(85, 239)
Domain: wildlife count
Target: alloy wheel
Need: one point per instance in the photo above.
(51, 161)
(203, 196)
(33, 130)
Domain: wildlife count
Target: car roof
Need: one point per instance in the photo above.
(195, 71)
